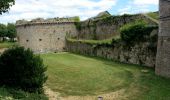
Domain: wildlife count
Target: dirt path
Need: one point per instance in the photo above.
(51, 94)
(117, 95)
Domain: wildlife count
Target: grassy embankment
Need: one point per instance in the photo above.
(76, 75)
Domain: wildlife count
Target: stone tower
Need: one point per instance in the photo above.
(44, 36)
(163, 50)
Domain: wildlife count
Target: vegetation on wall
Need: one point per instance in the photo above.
(76, 19)
(90, 25)
(88, 29)
(137, 31)
(130, 34)
(96, 42)
(20, 68)
(78, 25)
(115, 19)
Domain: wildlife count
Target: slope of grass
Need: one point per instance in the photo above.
(154, 15)
(77, 75)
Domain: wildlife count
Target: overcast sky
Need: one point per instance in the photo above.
(29, 9)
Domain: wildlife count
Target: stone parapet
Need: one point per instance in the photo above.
(39, 21)
(42, 23)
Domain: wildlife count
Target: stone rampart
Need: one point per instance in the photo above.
(42, 36)
(107, 27)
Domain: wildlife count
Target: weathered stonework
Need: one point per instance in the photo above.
(140, 54)
(108, 27)
(49, 35)
(43, 36)
(163, 50)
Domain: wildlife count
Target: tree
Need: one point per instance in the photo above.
(5, 5)
(20, 68)
(11, 31)
(3, 31)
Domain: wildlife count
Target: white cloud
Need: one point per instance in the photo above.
(29, 9)
(138, 6)
(132, 10)
(146, 2)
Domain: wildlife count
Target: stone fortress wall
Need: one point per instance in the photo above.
(45, 35)
(49, 35)
(97, 28)
(163, 51)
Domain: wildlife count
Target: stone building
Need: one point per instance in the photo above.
(163, 51)
(45, 35)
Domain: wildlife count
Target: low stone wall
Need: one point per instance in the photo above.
(140, 54)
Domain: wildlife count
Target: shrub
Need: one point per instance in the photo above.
(137, 31)
(20, 68)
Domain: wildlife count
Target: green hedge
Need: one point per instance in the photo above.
(135, 32)
(20, 68)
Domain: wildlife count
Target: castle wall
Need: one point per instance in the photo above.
(140, 54)
(46, 37)
(163, 54)
(107, 27)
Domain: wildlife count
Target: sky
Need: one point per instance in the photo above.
(30, 9)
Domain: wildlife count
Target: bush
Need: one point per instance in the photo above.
(20, 68)
(135, 32)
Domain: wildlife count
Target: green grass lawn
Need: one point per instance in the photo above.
(78, 75)
(7, 44)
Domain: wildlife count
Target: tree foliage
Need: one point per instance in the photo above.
(11, 31)
(20, 68)
(3, 30)
(5, 5)
(8, 31)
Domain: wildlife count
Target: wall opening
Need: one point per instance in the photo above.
(40, 39)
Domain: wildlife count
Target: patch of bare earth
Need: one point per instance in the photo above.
(117, 95)
(2, 50)
(51, 94)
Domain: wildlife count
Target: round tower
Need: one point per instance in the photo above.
(44, 36)
(163, 50)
